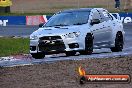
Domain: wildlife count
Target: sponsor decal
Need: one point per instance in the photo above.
(104, 78)
(12, 20)
(124, 17)
(3, 22)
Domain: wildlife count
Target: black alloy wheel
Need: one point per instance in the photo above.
(88, 45)
(118, 43)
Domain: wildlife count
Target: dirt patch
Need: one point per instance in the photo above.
(64, 74)
(52, 6)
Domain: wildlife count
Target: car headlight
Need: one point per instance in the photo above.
(72, 35)
(76, 33)
(34, 37)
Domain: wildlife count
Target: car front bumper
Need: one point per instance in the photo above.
(53, 45)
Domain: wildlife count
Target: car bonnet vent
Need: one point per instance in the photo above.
(50, 38)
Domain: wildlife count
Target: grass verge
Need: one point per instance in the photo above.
(12, 46)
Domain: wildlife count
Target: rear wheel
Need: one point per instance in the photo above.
(38, 55)
(70, 53)
(88, 45)
(118, 43)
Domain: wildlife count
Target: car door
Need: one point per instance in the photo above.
(98, 32)
(101, 30)
(107, 22)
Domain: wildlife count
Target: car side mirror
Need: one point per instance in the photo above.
(41, 25)
(95, 21)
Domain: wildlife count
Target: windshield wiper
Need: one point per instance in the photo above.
(61, 25)
(48, 26)
(79, 23)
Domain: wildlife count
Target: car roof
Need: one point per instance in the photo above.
(79, 10)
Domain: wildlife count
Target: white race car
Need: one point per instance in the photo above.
(78, 30)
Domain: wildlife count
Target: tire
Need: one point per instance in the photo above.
(88, 45)
(38, 55)
(70, 53)
(118, 43)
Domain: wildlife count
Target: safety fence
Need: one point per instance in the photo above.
(37, 19)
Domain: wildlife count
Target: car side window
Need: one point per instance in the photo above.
(106, 16)
(95, 18)
(96, 15)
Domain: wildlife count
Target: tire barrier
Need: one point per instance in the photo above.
(5, 9)
(5, 6)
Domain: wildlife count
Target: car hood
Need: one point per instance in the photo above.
(51, 31)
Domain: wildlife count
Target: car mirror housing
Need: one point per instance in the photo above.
(95, 21)
(41, 25)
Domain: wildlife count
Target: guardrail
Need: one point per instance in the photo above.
(35, 20)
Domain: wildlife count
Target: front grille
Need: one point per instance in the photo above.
(51, 43)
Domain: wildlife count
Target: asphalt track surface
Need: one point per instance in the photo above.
(28, 60)
(15, 30)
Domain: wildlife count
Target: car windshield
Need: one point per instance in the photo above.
(68, 18)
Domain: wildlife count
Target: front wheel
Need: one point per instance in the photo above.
(118, 43)
(88, 45)
(38, 55)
